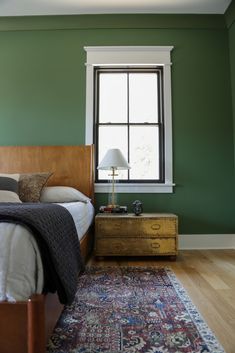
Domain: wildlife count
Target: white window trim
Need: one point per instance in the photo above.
(140, 56)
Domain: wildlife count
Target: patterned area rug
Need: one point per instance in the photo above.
(131, 310)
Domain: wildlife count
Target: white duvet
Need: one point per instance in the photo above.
(21, 271)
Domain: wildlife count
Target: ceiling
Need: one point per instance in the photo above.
(73, 7)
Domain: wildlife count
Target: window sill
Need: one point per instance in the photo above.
(135, 188)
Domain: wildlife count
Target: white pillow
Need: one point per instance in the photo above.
(62, 194)
(15, 176)
(9, 188)
(9, 196)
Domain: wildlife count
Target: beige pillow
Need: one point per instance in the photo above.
(9, 188)
(62, 194)
(30, 186)
(9, 196)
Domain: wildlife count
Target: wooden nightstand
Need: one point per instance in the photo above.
(128, 235)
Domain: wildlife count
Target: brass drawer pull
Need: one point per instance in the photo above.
(117, 226)
(118, 246)
(155, 226)
(155, 245)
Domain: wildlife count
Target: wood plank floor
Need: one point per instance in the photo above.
(209, 278)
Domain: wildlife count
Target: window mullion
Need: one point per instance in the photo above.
(128, 126)
(96, 120)
(161, 126)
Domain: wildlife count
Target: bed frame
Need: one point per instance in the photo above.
(26, 326)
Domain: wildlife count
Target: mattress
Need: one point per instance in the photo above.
(82, 213)
(21, 270)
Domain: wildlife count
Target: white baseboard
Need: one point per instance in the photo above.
(206, 241)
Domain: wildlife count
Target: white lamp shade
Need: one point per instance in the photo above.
(113, 159)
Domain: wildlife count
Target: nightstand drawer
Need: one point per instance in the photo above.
(133, 246)
(136, 227)
(158, 227)
(106, 227)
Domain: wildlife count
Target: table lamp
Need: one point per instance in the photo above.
(113, 160)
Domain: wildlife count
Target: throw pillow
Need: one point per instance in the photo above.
(30, 186)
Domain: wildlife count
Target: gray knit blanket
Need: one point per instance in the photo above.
(55, 232)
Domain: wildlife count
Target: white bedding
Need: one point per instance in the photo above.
(21, 271)
(82, 213)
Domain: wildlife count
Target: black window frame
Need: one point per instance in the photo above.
(160, 81)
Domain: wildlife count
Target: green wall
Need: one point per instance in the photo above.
(230, 19)
(42, 100)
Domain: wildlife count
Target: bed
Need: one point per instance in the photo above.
(25, 326)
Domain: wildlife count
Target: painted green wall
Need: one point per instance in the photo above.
(230, 19)
(42, 100)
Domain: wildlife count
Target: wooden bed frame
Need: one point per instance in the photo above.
(25, 327)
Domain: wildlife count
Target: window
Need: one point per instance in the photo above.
(128, 116)
(128, 106)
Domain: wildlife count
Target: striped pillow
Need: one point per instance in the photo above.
(9, 188)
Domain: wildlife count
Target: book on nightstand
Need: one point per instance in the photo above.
(118, 209)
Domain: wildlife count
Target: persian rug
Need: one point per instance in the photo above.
(131, 310)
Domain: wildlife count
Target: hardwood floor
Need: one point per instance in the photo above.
(209, 278)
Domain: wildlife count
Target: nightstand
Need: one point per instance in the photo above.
(128, 235)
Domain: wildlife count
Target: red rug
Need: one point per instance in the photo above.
(131, 310)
